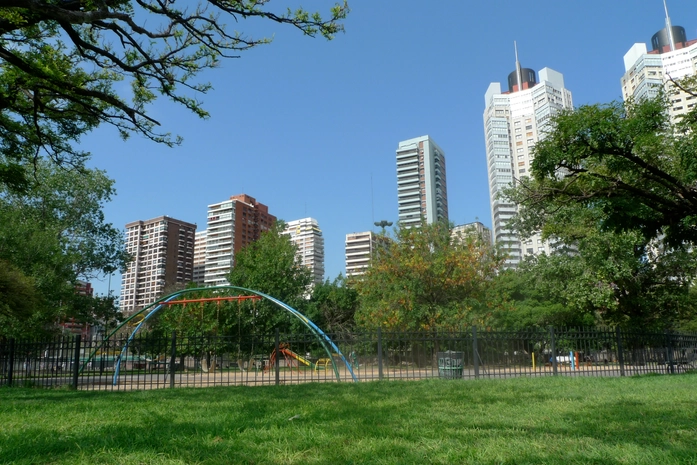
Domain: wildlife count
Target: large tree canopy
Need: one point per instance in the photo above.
(59, 61)
(614, 187)
(271, 265)
(50, 237)
(427, 279)
(626, 160)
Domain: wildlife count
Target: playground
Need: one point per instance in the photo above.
(128, 359)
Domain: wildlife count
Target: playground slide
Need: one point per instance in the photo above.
(297, 357)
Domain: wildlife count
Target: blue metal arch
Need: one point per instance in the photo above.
(155, 307)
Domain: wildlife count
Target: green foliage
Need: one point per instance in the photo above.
(18, 296)
(535, 300)
(271, 265)
(625, 161)
(333, 305)
(426, 279)
(51, 235)
(614, 188)
(60, 63)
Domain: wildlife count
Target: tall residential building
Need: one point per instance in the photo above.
(232, 225)
(307, 236)
(514, 121)
(199, 273)
(163, 254)
(475, 229)
(672, 56)
(422, 191)
(359, 251)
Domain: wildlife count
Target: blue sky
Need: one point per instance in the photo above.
(310, 127)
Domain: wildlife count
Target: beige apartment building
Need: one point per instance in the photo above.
(163, 255)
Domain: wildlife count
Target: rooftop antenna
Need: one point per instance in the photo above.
(669, 27)
(518, 71)
(372, 199)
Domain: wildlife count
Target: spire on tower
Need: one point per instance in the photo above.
(669, 27)
(518, 70)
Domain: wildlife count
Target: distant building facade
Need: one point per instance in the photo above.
(422, 190)
(360, 247)
(647, 72)
(307, 236)
(474, 229)
(163, 254)
(232, 225)
(514, 121)
(199, 273)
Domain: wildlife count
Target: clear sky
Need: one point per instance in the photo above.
(310, 127)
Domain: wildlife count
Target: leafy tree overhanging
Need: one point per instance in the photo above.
(60, 60)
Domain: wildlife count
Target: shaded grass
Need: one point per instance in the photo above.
(643, 420)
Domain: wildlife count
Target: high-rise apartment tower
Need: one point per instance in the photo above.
(359, 251)
(232, 225)
(672, 56)
(422, 191)
(514, 120)
(163, 254)
(199, 273)
(307, 236)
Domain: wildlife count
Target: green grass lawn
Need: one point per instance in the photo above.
(644, 420)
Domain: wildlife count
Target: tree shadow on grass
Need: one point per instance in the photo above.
(390, 422)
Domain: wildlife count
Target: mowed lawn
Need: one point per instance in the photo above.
(644, 420)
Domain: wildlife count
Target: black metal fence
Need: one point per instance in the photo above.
(149, 362)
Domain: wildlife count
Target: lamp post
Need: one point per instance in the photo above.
(383, 224)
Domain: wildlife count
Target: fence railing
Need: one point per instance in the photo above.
(151, 362)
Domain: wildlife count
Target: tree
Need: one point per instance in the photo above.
(536, 298)
(425, 279)
(614, 189)
(609, 279)
(52, 235)
(626, 160)
(18, 297)
(333, 305)
(271, 265)
(62, 59)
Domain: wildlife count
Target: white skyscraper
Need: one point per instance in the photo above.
(672, 57)
(421, 185)
(513, 123)
(307, 236)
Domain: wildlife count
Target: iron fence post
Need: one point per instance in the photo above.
(172, 359)
(76, 360)
(277, 366)
(475, 352)
(620, 350)
(554, 350)
(380, 353)
(10, 371)
(669, 350)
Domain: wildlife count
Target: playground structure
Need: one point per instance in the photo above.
(149, 311)
(292, 359)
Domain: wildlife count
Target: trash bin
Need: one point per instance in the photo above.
(450, 364)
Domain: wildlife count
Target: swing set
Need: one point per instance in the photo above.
(206, 365)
